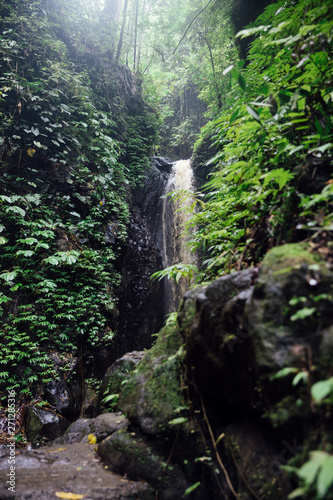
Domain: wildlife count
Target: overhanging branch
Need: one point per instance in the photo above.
(188, 27)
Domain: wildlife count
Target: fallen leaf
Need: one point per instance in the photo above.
(68, 496)
(92, 439)
(58, 449)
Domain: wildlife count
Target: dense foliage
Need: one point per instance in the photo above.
(70, 146)
(272, 182)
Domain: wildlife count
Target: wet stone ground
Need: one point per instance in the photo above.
(50, 472)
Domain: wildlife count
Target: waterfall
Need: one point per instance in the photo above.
(174, 219)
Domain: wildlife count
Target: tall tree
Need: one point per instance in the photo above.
(121, 36)
(136, 16)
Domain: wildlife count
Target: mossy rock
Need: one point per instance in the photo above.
(128, 453)
(257, 457)
(291, 329)
(285, 258)
(151, 396)
(116, 375)
(101, 427)
(292, 298)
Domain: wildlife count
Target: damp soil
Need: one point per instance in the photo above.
(50, 472)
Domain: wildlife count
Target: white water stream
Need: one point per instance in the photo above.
(174, 219)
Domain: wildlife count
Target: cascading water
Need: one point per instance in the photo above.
(174, 219)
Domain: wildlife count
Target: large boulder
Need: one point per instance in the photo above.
(64, 392)
(128, 453)
(42, 423)
(118, 373)
(290, 308)
(102, 426)
(244, 328)
(210, 319)
(151, 396)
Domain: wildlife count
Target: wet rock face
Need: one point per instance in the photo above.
(245, 327)
(162, 164)
(290, 309)
(149, 399)
(210, 320)
(66, 398)
(141, 301)
(148, 198)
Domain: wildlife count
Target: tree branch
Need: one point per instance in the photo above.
(188, 27)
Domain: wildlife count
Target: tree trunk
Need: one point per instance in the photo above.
(121, 36)
(219, 97)
(135, 34)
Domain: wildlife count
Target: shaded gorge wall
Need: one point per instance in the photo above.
(141, 300)
(155, 241)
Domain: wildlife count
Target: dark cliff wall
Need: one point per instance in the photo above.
(141, 300)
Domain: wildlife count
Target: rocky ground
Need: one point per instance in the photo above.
(71, 468)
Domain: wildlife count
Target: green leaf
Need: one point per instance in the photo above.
(252, 31)
(279, 175)
(47, 284)
(16, 210)
(306, 312)
(302, 376)
(296, 300)
(4, 299)
(5, 198)
(235, 114)
(28, 241)
(110, 397)
(299, 492)
(325, 476)
(320, 390)
(54, 261)
(25, 253)
(35, 131)
(71, 259)
(241, 82)
(8, 277)
(284, 372)
(192, 488)
(295, 149)
(253, 113)
(228, 69)
(177, 421)
(2, 240)
(43, 245)
(279, 28)
(322, 149)
(309, 471)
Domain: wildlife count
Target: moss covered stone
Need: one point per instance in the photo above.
(131, 454)
(151, 396)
